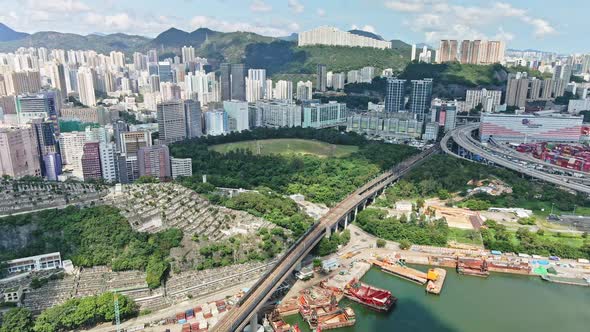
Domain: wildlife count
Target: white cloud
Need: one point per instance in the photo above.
(367, 28)
(274, 30)
(446, 19)
(542, 27)
(406, 6)
(260, 6)
(321, 12)
(58, 6)
(296, 6)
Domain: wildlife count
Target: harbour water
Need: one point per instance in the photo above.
(501, 302)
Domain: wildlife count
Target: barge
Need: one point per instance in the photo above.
(372, 297)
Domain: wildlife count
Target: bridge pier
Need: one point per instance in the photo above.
(254, 322)
(328, 232)
(346, 221)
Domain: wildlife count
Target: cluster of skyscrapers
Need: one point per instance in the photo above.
(478, 52)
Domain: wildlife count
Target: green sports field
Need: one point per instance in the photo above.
(287, 146)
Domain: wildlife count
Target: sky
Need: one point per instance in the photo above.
(524, 24)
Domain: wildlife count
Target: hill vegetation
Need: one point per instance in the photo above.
(74, 314)
(94, 236)
(101, 44)
(322, 180)
(277, 56)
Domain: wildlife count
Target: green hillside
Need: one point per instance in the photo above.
(281, 57)
(275, 55)
(455, 73)
(67, 41)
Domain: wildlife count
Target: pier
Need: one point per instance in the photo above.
(403, 272)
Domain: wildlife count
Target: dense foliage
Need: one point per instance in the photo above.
(273, 207)
(330, 245)
(414, 229)
(239, 250)
(17, 319)
(83, 312)
(94, 236)
(497, 237)
(456, 73)
(286, 57)
(444, 173)
(324, 180)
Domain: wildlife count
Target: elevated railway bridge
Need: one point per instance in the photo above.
(341, 214)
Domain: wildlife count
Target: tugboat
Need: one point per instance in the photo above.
(372, 297)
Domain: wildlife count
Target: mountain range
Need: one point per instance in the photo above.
(7, 34)
(278, 56)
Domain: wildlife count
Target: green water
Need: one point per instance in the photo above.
(501, 302)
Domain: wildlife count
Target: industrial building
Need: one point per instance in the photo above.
(530, 128)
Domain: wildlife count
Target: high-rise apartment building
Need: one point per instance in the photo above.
(86, 86)
(238, 82)
(19, 154)
(338, 81)
(517, 90)
(304, 90)
(72, 147)
(283, 90)
(237, 112)
(193, 119)
(489, 99)
(256, 85)
(171, 121)
(394, 96)
(479, 52)
(91, 169)
(367, 74)
(562, 72)
(132, 141)
(448, 51)
(165, 71)
(108, 162)
(225, 79)
(216, 122)
(327, 115)
(420, 98)
(334, 37)
(321, 82)
(23, 82)
(154, 161)
(279, 114)
(181, 167)
(188, 54)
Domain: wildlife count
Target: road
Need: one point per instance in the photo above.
(255, 299)
(462, 136)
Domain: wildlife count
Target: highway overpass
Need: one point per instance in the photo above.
(344, 212)
(462, 136)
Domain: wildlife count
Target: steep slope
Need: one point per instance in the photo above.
(7, 34)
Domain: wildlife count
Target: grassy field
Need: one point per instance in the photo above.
(288, 146)
(465, 236)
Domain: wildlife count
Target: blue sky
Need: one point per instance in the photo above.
(550, 25)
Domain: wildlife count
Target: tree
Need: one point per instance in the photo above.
(317, 262)
(17, 319)
(381, 243)
(405, 244)
(420, 203)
